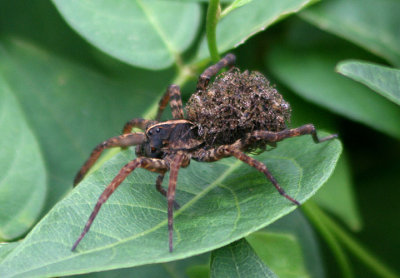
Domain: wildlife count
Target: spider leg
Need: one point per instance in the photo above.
(204, 79)
(263, 169)
(173, 177)
(160, 189)
(125, 140)
(137, 122)
(233, 150)
(172, 95)
(269, 136)
(151, 164)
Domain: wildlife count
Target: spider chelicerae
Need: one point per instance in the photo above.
(235, 114)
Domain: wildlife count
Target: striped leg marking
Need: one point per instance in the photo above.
(172, 95)
(173, 177)
(287, 133)
(137, 122)
(228, 61)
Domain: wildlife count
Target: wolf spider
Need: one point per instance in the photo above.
(170, 145)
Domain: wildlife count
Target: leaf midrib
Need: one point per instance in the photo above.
(157, 28)
(232, 167)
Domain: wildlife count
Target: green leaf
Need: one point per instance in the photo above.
(22, 171)
(235, 4)
(281, 250)
(220, 202)
(338, 197)
(144, 33)
(6, 248)
(233, 30)
(373, 25)
(381, 79)
(175, 269)
(294, 229)
(309, 72)
(30, 20)
(238, 259)
(78, 107)
(198, 271)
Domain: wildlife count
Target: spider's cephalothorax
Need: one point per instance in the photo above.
(236, 113)
(166, 137)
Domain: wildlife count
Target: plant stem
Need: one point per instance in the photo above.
(314, 216)
(211, 28)
(355, 247)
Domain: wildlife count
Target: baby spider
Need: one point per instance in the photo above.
(237, 113)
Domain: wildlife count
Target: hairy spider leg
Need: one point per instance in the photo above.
(269, 136)
(137, 122)
(236, 149)
(263, 169)
(160, 189)
(227, 61)
(173, 177)
(124, 140)
(151, 164)
(172, 95)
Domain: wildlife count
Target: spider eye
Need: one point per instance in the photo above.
(158, 130)
(150, 133)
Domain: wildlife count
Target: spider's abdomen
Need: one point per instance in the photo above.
(237, 103)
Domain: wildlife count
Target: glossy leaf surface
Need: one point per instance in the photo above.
(144, 33)
(6, 248)
(310, 73)
(23, 182)
(381, 79)
(373, 25)
(280, 250)
(238, 259)
(220, 202)
(175, 269)
(338, 197)
(233, 30)
(79, 107)
(289, 247)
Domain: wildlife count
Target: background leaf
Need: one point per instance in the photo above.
(373, 25)
(309, 72)
(381, 79)
(232, 30)
(303, 258)
(145, 33)
(175, 269)
(338, 197)
(282, 250)
(233, 6)
(22, 170)
(221, 202)
(79, 107)
(238, 260)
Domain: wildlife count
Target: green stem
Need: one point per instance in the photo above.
(315, 217)
(355, 247)
(211, 28)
